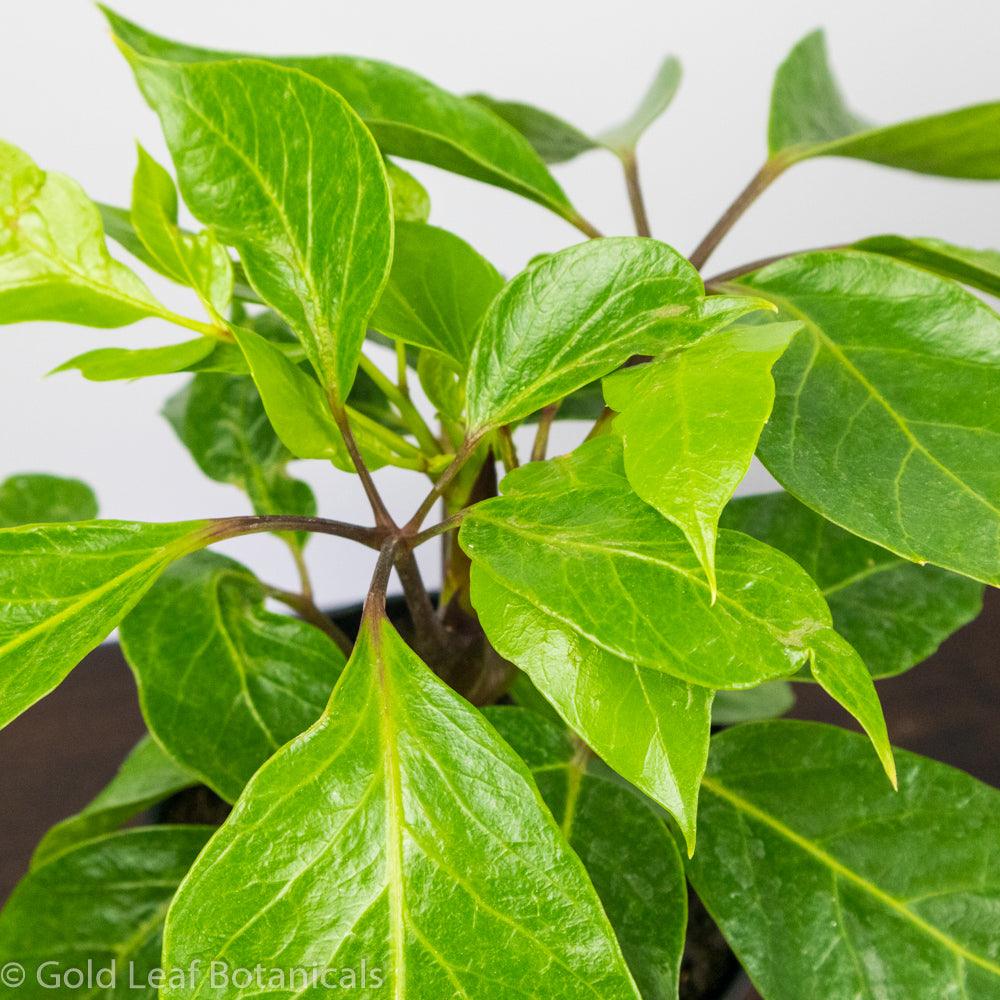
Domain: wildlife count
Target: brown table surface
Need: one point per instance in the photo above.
(58, 755)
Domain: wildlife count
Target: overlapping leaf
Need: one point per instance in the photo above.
(826, 883)
(37, 498)
(399, 831)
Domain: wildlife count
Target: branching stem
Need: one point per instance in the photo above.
(382, 516)
(631, 167)
(249, 524)
(541, 446)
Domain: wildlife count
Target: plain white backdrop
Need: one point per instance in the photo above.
(68, 99)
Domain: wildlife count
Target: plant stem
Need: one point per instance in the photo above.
(508, 452)
(382, 516)
(448, 524)
(444, 481)
(601, 423)
(585, 227)
(428, 629)
(755, 188)
(401, 369)
(631, 167)
(302, 569)
(375, 600)
(410, 414)
(251, 524)
(308, 611)
(541, 446)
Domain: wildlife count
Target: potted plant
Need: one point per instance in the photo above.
(507, 794)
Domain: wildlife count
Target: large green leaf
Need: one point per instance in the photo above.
(408, 115)
(399, 831)
(54, 264)
(223, 682)
(629, 853)
(37, 498)
(306, 207)
(438, 290)
(887, 416)
(147, 776)
(690, 424)
(97, 911)
(64, 587)
(222, 422)
(578, 314)
(197, 260)
(978, 268)
(827, 884)
(894, 612)
(810, 118)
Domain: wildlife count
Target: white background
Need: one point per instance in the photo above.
(68, 99)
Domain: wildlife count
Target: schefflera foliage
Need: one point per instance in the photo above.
(394, 830)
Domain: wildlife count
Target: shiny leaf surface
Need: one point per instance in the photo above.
(37, 498)
(401, 831)
(826, 883)
(110, 364)
(223, 682)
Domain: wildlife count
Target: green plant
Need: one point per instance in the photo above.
(409, 836)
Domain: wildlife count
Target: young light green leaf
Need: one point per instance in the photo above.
(765, 702)
(622, 139)
(408, 115)
(887, 415)
(690, 422)
(37, 498)
(825, 883)
(223, 682)
(376, 837)
(221, 420)
(199, 261)
(64, 587)
(892, 611)
(147, 776)
(629, 853)
(978, 268)
(578, 314)
(251, 162)
(809, 117)
(438, 290)
(555, 140)
(98, 908)
(410, 200)
(109, 364)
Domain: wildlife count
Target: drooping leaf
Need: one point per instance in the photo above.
(98, 908)
(221, 420)
(554, 139)
(64, 587)
(409, 116)
(887, 414)
(629, 853)
(223, 682)
(410, 200)
(199, 261)
(765, 702)
(109, 364)
(147, 776)
(826, 883)
(54, 264)
(401, 831)
(623, 138)
(252, 162)
(577, 314)
(978, 268)
(438, 290)
(893, 612)
(809, 117)
(690, 423)
(37, 498)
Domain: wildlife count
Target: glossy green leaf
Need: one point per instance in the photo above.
(410, 200)
(109, 364)
(577, 314)
(887, 415)
(810, 118)
(221, 420)
(37, 498)
(64, 587)
(828, 884)
(147, 776)
(199, 261)
(409, 116)
(555, 140)
(315, 242)
(54, 264)
(300, 413)
(399, 831)
(978, 268)
(223, 682)
(623, 138)
(765, 702)
(98, 908)
(438, 290)
(690, 424)
(629, 853)
(893, 612)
